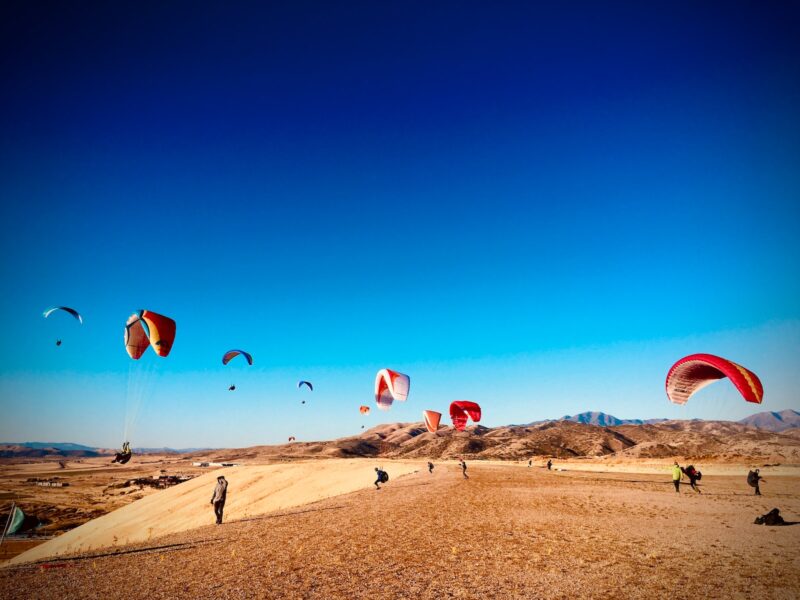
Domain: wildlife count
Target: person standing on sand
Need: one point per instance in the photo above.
(430, 467)
(676, 476)
(549, 464)
(218, 499)
(463, 465)
(530, 463)
(753, 479)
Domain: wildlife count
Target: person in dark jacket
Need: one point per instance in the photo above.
(463, 465)
(753, 479)
(219, 497)
(694, 476)
(381, 477)
(549, 464)
(430, 467)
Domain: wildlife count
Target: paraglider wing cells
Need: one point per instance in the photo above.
(692, 373)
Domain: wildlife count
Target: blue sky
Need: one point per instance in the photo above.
(536, 208)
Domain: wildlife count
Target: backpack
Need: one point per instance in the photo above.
(383, 476)
(773, 517)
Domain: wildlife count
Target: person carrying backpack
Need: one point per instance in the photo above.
(694, 476)
(753, 479)
(382, 477)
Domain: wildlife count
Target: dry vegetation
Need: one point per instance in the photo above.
(507, 532)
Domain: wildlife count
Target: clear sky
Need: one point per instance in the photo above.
(536, 207)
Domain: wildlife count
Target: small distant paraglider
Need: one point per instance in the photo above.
(300, 384)
(364, 410)
(71, 311)
(694, 372)
(460, 410)
(66, 309)
(292, 438)
(390, 386)
(432, 419)
(230, 355)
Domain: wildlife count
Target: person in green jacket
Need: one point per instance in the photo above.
(676, 476)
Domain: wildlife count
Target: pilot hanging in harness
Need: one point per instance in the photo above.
(125, 455)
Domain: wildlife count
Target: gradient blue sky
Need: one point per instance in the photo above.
(538, 208)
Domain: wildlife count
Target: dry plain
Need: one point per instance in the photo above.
(507, 532)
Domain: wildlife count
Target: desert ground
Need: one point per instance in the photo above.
(509, 531)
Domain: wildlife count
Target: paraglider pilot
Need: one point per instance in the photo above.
(124, 456)
(219, 496)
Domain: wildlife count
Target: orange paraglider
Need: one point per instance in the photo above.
(432, 419)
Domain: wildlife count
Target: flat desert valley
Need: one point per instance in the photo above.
(319, 529)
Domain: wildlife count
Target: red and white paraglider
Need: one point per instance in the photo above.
(694, 372)
(460, 410)
(390, 386)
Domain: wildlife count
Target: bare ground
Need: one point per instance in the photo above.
(507, 532)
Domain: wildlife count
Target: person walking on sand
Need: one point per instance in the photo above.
(218, 498)
(530, 463)
(430, 467)
(694, 476)
(549, 464)
(753, 479)
(463, 465)
(676, 476)
(381, 477)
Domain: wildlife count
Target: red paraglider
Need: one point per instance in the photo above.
(694, 372)
(460, 410)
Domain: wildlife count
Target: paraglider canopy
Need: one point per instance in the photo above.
(460, 410)
(364, 410)
(306, 383)
(71, 311)
(390, 386)
(292, 438)
(231, 354)
(696, 371)
(145, 328)
(432, 419)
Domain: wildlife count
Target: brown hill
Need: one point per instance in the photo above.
(709, 440)
(21, 451)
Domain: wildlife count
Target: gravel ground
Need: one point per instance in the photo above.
(507, 532)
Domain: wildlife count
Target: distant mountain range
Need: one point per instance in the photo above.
(609, 440)
(70, 450)
(603, 420)
(773, 421)
(767, 421)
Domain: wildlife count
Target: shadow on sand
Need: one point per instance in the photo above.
(286, 514)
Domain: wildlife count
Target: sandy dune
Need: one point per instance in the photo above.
(253, 490)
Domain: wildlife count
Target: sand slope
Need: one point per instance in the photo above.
(253, 490)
